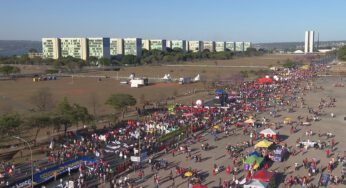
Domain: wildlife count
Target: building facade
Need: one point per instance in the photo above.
(168, 44)
(220, 46)
(99, 47)
(230, 46)
(116, 46)
(247, 45)
(51, 48)
(146, 44)
(209, 45)
(158, 44)
(195, 46)
(179, 44)
(239, 46)
(133, 46)
(74, 47)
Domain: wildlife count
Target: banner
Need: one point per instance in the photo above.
(48, 174)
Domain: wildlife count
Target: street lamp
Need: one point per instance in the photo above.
(32, 167)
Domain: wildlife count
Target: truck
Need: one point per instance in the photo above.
(185, 80)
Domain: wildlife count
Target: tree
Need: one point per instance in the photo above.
(65, 113)
(289, 64)
(39, 122)
(121, 102)
(104, 62)
(92, 60)
(130, 60)
(342, 53)
(9, 124)
(94, 103)
(7, 70)
(80, 114)
(42, 99)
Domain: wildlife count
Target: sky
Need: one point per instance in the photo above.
(219, 20)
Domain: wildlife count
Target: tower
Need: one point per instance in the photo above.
(306, 43)
(309, 41)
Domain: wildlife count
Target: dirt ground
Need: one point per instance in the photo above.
(15, 95)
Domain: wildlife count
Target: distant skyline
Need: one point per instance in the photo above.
(219, 20)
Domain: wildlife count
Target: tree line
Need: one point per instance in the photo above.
(60, 117)
(148, 57)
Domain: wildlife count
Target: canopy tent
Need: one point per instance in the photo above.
(256, 184)
(287, 120)
(197, 78)
(167, 77)
(305, 67)
(263, 175)
(264, 80)
(220, 92)
(199, 186)
(255, 153)
(188, 174)
(263, 144)
(253, 160)
(269, 133)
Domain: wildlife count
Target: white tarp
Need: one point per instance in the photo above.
(167, 77)
(268, 131)
(256, 184)
(197, 78)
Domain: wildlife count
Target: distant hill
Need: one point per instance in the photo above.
(18, 47)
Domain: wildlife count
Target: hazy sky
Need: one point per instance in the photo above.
(225, 20)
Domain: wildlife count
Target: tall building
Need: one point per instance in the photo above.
(230, 46)
(209, 45)
(133, 46)
(220, 46)
(239, 46)
(146, 44)
(74, 47)
(179, 44)
(309, 41)
(51, 48)
(168, 44)
(195, 46)
(306, 42)
(158, 44)
(247, 45)
(99, 47)
(116, 46)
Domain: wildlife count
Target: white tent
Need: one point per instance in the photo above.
(167, 77)
(197, 78)
(256, 184)
(132, 76)
(268, 131)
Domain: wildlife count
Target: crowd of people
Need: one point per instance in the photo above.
(141, 136)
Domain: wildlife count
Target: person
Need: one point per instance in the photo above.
(171, 175)
(295, 166)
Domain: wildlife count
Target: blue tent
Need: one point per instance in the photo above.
(220, 92)
(255, 153)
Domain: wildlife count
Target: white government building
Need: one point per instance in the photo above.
(103, 47)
